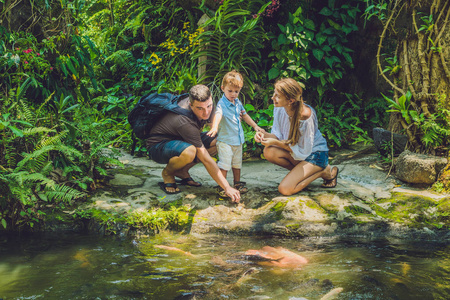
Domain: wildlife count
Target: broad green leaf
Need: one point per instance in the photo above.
(71, 67)
(309, 24)
(334, 24)
(16, 131)
(282, 39)
(249, 107)
(4, 223)
(326, 12)
(321, 38)
(317, 73)
(318, 54)
(273, 73)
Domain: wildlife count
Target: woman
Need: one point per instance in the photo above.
(295, 142)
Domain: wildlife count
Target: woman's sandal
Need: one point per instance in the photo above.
(240, 186)
(331, 183)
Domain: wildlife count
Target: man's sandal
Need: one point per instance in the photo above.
(240, 186)
(163, 186)
(331, 183)
(189, 181)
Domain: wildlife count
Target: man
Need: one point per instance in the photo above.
(176, 140)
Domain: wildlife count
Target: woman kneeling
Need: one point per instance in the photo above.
(295, 142)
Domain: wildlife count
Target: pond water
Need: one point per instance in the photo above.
(92, 267)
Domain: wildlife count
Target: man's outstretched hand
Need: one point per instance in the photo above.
(234, 194)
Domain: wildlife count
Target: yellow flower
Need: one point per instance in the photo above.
(154, 59)
(185, 25)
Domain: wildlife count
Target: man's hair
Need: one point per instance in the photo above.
(233, 78)
(200, 93)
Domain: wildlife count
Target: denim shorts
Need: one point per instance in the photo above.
(319, 158)
(163, 151)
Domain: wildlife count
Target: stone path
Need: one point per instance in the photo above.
(362, 203)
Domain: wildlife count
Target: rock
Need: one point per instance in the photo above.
(126, 180)
(382, 137)
(418, 168)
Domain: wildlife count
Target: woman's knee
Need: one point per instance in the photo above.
(285, 190)
(269, 153)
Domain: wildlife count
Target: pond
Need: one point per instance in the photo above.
(74, 266)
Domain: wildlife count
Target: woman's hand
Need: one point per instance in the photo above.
(269, 141)
(259, 136)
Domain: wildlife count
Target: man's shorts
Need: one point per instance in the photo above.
(163, 151)
(229, 156)
(319, 158)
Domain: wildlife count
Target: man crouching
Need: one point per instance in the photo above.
(177, 140)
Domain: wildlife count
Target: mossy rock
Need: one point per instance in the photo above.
(405, 209)
(357, 210)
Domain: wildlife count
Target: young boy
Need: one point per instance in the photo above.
(227, 126)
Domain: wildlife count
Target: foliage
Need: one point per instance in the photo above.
(314, 51)
(159, 219)
(350, 122)
(416, 70)
(264, 119)
(144, 44)
(233, 42)
(433, 131)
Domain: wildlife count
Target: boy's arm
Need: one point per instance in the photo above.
(215, 124)
(252, 123)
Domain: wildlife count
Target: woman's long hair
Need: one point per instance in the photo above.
(292, 90)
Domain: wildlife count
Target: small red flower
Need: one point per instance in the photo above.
(25, 62)
(38, 54)
(51, 68)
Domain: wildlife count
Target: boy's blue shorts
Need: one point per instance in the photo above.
(163, 151)
(319, 158)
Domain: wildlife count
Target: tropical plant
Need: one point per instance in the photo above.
(418, 75)
(232, 39)
(314, 51)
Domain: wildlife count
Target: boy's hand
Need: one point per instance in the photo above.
(259, 129)
(259, 136)
(212, 132)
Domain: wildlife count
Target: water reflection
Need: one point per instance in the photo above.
(217, 267)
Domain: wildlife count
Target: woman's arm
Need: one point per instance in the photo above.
(275, 142)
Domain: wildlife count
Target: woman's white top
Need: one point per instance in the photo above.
(311, 140)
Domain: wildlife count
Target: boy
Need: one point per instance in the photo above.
(227, 125)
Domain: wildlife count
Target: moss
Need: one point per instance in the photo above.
(293, 226)
(278, 209)
(159, 219)
(312, 204)
(406, 209)
(138, 172)
(356, 210)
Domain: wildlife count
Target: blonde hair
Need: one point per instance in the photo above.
(292, 90)
(233, 78)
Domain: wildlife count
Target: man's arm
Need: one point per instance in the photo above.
(215, 173)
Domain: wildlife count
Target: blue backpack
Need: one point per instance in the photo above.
(150, 109)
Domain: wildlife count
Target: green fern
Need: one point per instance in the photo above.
(121, 60)
(62, 193)
(234, 43)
